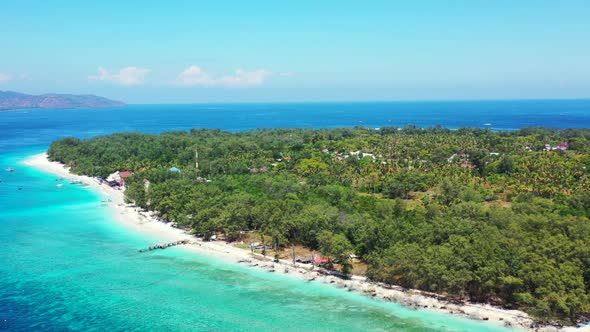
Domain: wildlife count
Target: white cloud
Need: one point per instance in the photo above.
(195, 76)
(245, 78)
(5, 78)
(126, 76)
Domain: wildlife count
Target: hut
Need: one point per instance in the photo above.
(304, 259)
(321, 260)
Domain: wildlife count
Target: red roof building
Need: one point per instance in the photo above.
(466, 165)
(321, 260)
(125, 174)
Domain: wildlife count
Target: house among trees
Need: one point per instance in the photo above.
(118, 178)
(467, 165)
(304, 259)
(124, 175)
(318, 260)
(562, 146)
(312, 259)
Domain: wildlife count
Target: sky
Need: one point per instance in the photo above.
(278, 51)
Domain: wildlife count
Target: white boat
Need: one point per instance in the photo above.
(60, 185)
(10, 169)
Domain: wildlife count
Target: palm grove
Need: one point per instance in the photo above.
(470, 213)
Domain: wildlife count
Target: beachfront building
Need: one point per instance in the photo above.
(118, 177)
(319, 260)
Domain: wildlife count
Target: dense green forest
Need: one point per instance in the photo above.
(501, 217)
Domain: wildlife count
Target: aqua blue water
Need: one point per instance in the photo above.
(65, 265)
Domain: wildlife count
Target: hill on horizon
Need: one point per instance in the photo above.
(15, 100)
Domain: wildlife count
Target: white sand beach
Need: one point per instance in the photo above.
(132, 217)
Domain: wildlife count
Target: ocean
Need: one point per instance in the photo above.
(66, 265)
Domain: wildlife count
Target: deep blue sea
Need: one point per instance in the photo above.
(66, 265)
(39, 127)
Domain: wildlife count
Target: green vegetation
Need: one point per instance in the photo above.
(469, 213)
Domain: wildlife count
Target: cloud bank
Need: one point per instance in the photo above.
(127, 76)
(195, 76)
(5, 78)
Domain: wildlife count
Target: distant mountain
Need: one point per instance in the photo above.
(14, 100)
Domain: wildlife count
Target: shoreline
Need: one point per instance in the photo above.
(132, 218)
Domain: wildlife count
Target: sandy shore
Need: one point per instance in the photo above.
(131, 217)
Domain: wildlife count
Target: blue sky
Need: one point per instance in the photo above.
(232, 51)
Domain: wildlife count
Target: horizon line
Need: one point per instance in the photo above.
(364, 101)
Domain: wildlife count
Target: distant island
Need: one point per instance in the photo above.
(10, 100)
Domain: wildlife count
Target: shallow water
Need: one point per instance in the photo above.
(65, 265)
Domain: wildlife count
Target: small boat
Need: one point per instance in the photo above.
(75, 182)
(59, 185)
(59, 179)
(10, 169)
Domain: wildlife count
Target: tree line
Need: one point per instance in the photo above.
(498, 217)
